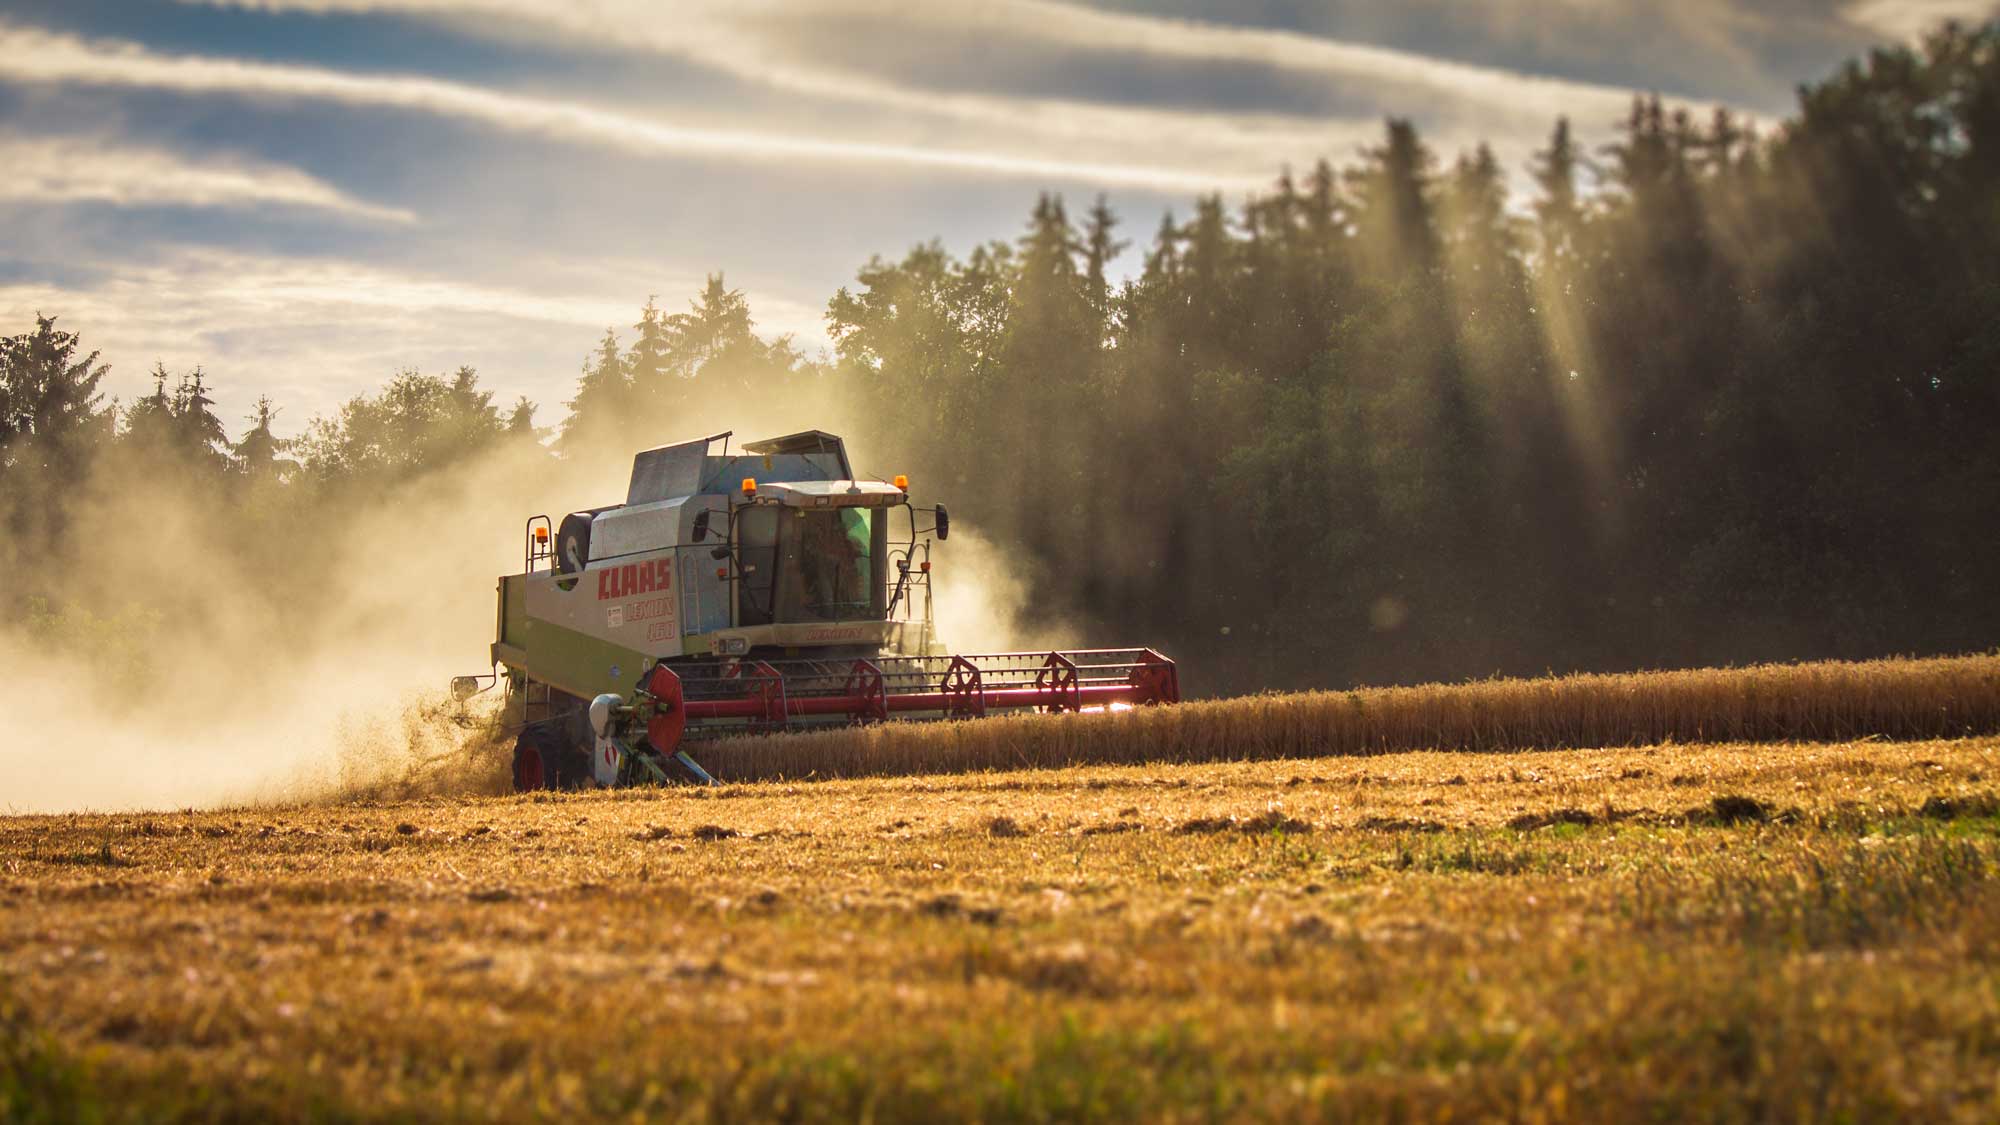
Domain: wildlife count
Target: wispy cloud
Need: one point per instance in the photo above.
(789, 45)
(1390, 71)
(313, 331)
(752, 40)
(29, 55)
(1460, 103)
(826, 57)
(1909, 19)
(66, 170)
(271, 318)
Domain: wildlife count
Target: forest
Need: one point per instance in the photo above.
(1704, 395)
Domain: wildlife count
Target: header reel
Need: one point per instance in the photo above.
(673, 709)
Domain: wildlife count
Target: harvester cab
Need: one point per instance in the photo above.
(759, 590)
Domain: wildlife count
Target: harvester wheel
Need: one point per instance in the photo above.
(547, 755)
(533, 764)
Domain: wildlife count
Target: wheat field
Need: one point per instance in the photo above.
(1828, 701)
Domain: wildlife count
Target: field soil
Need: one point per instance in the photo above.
(1805, 931)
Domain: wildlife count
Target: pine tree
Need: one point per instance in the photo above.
(1209, 250)
(1163, 258)
(1099, 249)
(55, 417)
(198, 433)
(1476, 219)
(1280, 212)
(1320, 204)
(649, 362)
(180, 424)
(1643, 161)
(149, 422)
(1726, 144)
(1558, 208)
(471, 421)
(520, 423)
(1392, 196)
(260, 454)
(1040, 400)
(717, 320)
(604, 397)
(1052, 317)
(1050, 247)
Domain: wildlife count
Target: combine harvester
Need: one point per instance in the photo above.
(761, 591)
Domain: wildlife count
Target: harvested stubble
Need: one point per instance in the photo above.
(1943, 697)
(1798, 933)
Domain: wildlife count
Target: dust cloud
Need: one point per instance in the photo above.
(210, 655)
(981, 598)
(206, 648)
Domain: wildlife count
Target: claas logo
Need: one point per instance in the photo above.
(634, 579)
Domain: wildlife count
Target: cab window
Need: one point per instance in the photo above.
(757, 555)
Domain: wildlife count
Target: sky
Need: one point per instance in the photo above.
(306, 196)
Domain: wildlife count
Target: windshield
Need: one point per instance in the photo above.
(806, 565)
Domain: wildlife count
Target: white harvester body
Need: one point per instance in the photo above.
(696, 564)
(761, 590)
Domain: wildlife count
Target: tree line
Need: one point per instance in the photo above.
(1697, 396)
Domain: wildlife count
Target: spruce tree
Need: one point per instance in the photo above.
(1099, 249)
(55, 415)
(198, 433)
(603, 398)
(260, 454)
(1558, 206)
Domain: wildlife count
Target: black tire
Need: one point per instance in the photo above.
(547, 755)
(534, 756)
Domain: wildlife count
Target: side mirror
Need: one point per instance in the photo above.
(701, 525)
(943, 524)
(465, 687)
(719, 553)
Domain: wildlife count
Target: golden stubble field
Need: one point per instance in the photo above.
(1791, 932)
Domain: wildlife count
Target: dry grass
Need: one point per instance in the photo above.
(1831, 701)
(1723, 932)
